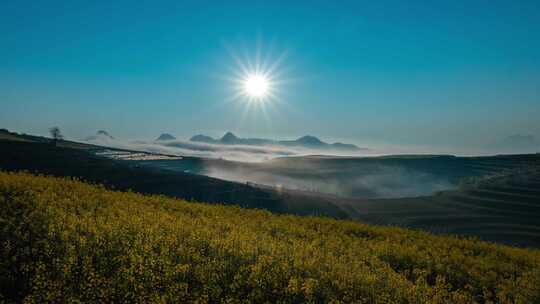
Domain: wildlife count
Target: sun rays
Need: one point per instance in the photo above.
(257, 81)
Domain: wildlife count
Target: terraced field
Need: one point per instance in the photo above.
(504, 207)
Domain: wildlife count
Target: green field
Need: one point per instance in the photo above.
(67, 241)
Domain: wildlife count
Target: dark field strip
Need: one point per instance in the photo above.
(535, 184)
(501, 235)
(500, 195)
(490, 167)
(481, 223)
(527, 185)
(503, 205)
(514, 190)
(457, 219)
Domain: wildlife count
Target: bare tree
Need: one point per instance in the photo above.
(56, 135)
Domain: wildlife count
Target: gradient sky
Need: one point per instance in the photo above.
(447, 74)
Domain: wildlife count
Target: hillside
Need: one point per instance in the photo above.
(7, 136)
(165, 136)
(63, 241)
(43, 158)
(505, 209)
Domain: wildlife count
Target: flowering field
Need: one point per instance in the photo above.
(66, 241)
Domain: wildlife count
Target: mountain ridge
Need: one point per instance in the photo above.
(307, 141)
(165, 136)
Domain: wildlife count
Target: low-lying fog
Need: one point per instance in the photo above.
(356, 178)
(241, 153)
(343, 176)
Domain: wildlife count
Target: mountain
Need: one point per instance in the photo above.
(166, 136)
(101, 134)
(230, 138)
(307, 141)
(310, 140)
(204, 139)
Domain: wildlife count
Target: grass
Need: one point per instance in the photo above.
(66, 241)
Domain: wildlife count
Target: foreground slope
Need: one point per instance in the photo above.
(63, 240)
(46, 159)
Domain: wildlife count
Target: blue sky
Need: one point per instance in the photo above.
(447, 74)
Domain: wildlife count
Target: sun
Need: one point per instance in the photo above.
(256, 86)
(257, 78)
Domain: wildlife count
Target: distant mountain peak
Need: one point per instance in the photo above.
(229, 137)
(202, 138)
(309, 139)
(166, 136)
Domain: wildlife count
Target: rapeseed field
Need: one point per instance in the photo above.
(65, 241)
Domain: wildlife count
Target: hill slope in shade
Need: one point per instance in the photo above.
(76, 242)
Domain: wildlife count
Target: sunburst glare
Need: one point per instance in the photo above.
(256, 77)
(256, 86)
(258, 81)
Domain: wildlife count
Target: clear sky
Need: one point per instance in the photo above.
(436, 73)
